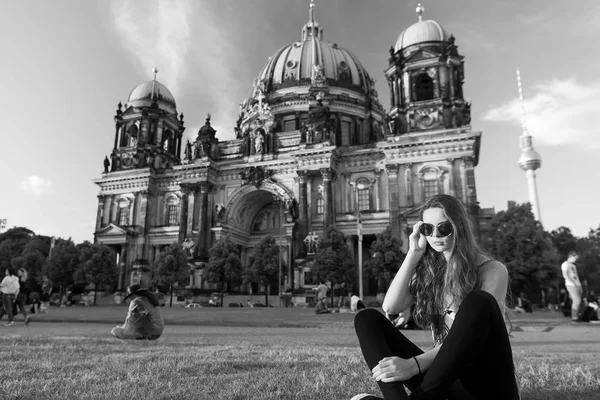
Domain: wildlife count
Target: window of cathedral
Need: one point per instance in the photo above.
(346, 131)
(423, 87)
(123, 215)
(173, 214)
(320, 206)
(430, 188)
(289, 124)
(363, 199)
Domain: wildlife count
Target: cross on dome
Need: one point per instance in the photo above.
(420, 10)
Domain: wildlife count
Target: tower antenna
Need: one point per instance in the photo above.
(530, 159)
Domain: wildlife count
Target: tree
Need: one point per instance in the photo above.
(264, 265)
(171, 268)
(32, 259)
(98, 263)
(12, 244)
(564, 241)
(62, 264)
(387, 256)
(224, 265)
(588, 265)
(520, 242)
(333, 262)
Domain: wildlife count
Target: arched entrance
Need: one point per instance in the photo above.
(254, 212)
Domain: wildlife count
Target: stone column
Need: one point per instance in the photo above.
(395, 82)
(408, 175)
(142, 220)
(376, 189)
(191, 199)
(450, 176)
(117, 131)
(391, 88)
(463, 180)
(203, 231)
(344, 190)
(100, 212)
(327, 176)
(302, 204)
(183, 213)
(392, 175)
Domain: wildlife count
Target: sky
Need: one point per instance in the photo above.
(66, 65)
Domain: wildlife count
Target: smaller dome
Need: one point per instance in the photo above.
(421, 32)
(142, 96)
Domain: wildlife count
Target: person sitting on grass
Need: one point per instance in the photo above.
(321, 307)
(355, 302)
(144, 319)
(459, 293)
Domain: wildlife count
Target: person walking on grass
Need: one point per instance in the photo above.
(9, 288)
(23, 294)
(46, 293)
(459, 292)
(572, 283)
(144, 318)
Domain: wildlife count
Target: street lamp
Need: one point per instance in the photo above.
(357, 187)
(280, 201)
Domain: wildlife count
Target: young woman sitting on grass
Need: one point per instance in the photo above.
(459, 293)
(144, 319)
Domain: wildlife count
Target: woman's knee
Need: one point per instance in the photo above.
(366, 317)
(480, 299)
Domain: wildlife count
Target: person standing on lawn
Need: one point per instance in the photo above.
(144, 318)
(9, 288)
(459, 292)
(46, 293)
(572, 283)
(23, 294)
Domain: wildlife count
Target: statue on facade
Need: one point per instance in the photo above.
(259, 141)
(220, 212)
(188, 150)
(188, 246)
(106, 164)
(292, 208)
(312, 242)
(114, 159)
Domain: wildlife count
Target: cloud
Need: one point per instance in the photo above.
(37, 186)
(155, 33)
(193, 49)
(558, 112)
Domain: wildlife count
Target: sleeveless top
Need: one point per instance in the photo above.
(449, 313)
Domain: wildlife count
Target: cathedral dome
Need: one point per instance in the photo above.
(295, 64)
(143, 94)
(421, 32)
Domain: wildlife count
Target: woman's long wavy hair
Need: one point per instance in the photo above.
(434, 279)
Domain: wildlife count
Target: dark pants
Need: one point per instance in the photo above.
(8, 300)
(474, 362)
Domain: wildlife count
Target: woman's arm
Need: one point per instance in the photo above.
(398, 297)
(392, 369)
(494, 280)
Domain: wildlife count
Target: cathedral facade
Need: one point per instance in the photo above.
(314, 148)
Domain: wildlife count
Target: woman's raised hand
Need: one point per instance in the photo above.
(417, 241)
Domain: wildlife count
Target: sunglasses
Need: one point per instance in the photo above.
(444, 229)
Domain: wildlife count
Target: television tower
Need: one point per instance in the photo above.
(530, 159)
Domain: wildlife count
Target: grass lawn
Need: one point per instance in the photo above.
(261, 354)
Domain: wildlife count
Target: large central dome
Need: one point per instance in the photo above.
(294, 64)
